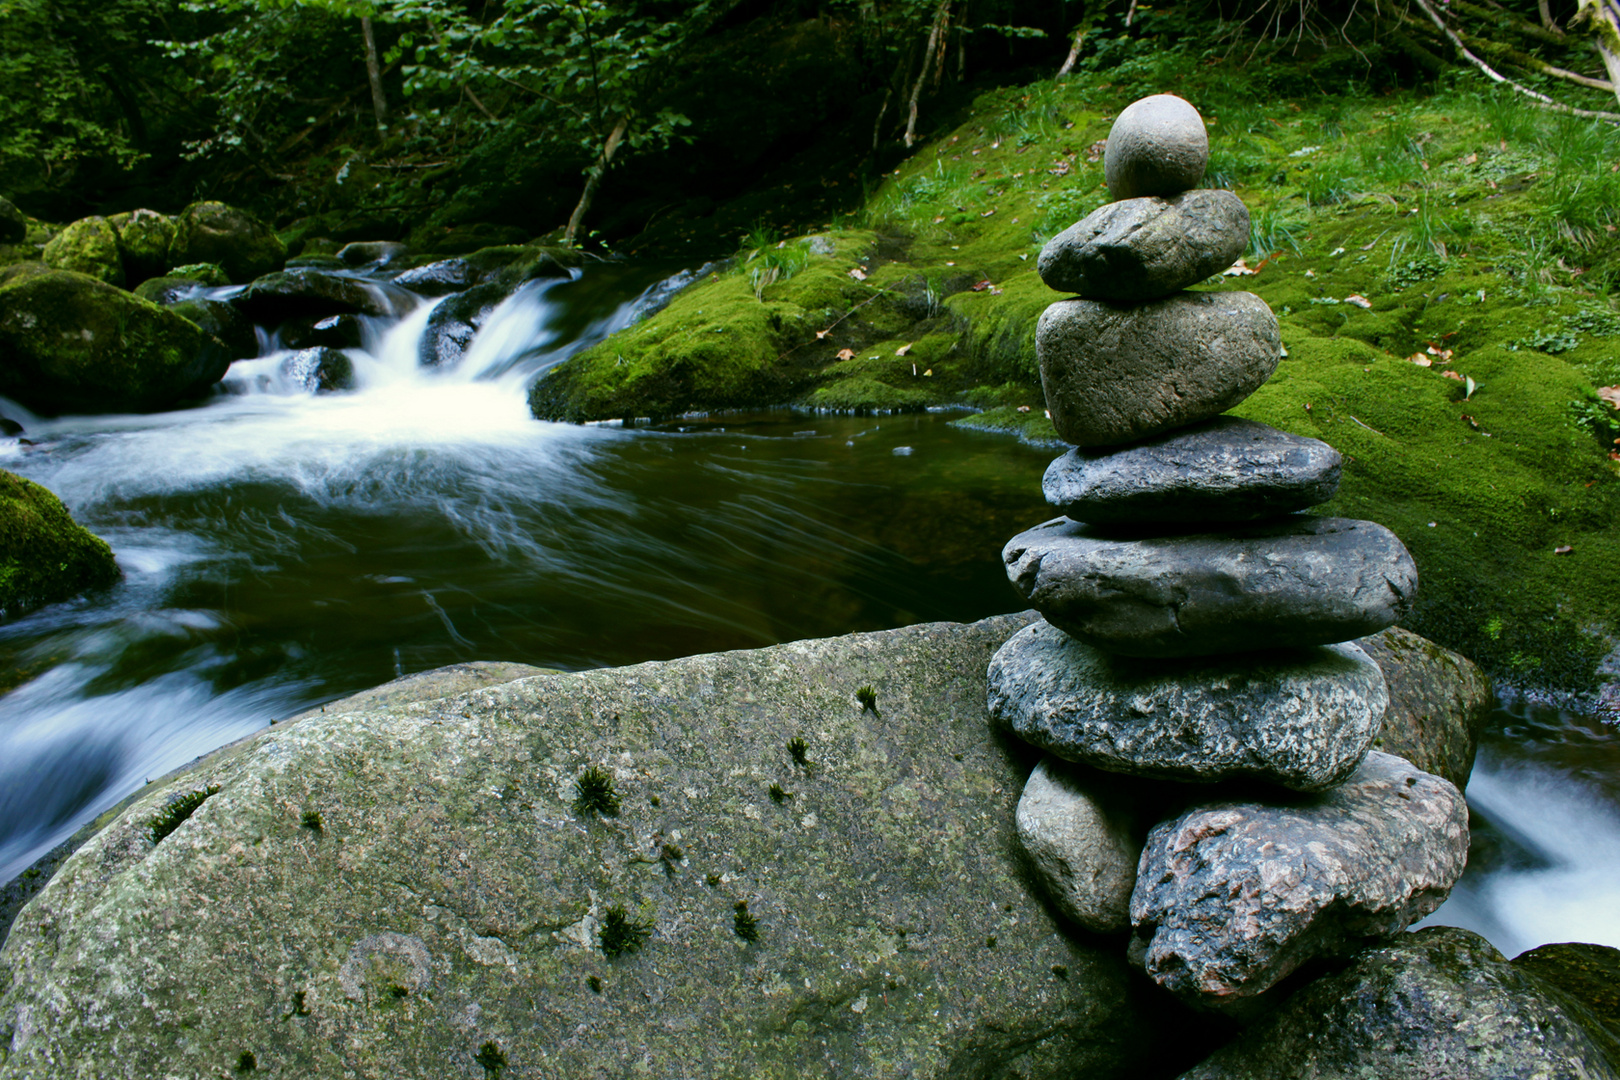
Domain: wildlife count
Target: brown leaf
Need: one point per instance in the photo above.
(981, 286)
(1094, 152)
(1358, 300)
(1420, 360)
(1471, 159)
(846, 354)
(1611, 394)
(858, 274)
(823, 333)
(902, 350)
(1470, 421)
(1061, 168)
(1452, 375)
(1023, 408)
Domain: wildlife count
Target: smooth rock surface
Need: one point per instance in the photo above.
(454, 898)
(1157, 146)
(1285, 583)
(1302, 718)
(1438, 1004)
(1232, 896)
(1142, 249)
(1079, 830)
(1226, 469)
(320, 370)
(307, 292)
(1116, 373)
(1438, 703)
(382, 252)
(212, 232)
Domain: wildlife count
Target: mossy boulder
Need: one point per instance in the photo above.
(87, 246)
(13, 225)
(230, 334)
(213, 232)
(45, 555)
(211, 274)
(71, 343)
(168, 289)
(144, 240)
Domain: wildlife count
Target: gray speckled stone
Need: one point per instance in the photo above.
(1232, 896)
(1117, 373)
(1438, 1004)
(1302, 718)
(1157, 146)
(1284, 583)
(1224, 470)
(1080, 833)
(1142, 249)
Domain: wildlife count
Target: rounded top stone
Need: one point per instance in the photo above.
(1157, 146)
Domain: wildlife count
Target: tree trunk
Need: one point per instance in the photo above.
(1074, 51)
(379, 103)
(593, 179)
(1602, 19)
(922, 75)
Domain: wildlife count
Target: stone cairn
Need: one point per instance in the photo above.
(1198, 629)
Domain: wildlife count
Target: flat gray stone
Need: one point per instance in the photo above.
(1226, 469)
(1285, 583)
(1157, 146)
(1301, 718)
(1232, 896)
(1080, 833)
(1118, 373)
(1142, 249)
(1438, 1004)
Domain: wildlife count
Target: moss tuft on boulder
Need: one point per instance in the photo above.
(45, 555)
(144, 240)
(88, 246)
(239, 242)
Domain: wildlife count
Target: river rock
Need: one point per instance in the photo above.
(319, 370)
(1117, 373)
(211, 274)
(231, 337)
(1438, 1004)
(71, 343)
(1142, 249)
(333, 331)
(168, 289)
(440, 278)
(1438, 703)
(144, 240)
(87, 246)
(1302, 718)
(1231, 896)
(45, 555)
(1587, 973)
(455, 322)
(379, 252)
(413, 890)
(1225, 469)
(1284, 583)
(212, 232)
(306, 292)
(13, 225)
(1080, 831)
(1157, 146)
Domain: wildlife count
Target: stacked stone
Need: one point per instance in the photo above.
(1199, 629)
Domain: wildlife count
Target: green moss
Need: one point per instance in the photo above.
(211, 274)
(744, 924)
(594, 793)
(867, 697)
(621, 933)
(212, 232)
(176, 811)
(88, 246)
(45, 556)
(144, 240)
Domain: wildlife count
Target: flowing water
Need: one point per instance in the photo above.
(282, 549)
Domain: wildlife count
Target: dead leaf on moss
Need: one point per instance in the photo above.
(1563, 549)
(981, 286)
(823, 333)
(1611, 394)
(846, 354)
(1420, 360)
(1358, 300)
(902, 350)
(858, 274)
(1238, 269)
(1452, 375)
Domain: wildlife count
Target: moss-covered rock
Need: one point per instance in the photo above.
(243, 245)
(87, 246)
(71, 343)
(168, 289)
(13, 226)
(45, 555)
(22, 270)
(211, 274)
(230, 335)
(144, 240)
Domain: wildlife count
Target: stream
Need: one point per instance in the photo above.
(282, 549)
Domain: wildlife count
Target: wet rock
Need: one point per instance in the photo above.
(233, 336)
(1142, 249)
(1080, 831)
(1587, 975)
(1231, 896)
(440, 278)
(292, 294)
(316, 262)
(1226, 469)
(45, 555)
(319, 370)
(1285, 583)
(88, 246)
(211, 274)
(10, 427)
(455, 322)
(168, 289)
(1117, 373)
(1301, 718)
(1157, 146)
(71, 343)
(10, 275)
(144, 240)
(13, 225)
(333, 331)
(453, 823)
(212, 232)
(1438, 1004)
(366, 252)
(1438, 702)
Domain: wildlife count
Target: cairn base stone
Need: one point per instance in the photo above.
(1079, 831)
(1142, 249)
(1303, 718)
(1232, 896)
(1277, 584)
(1116, 373)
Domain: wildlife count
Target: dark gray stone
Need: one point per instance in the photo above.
(320, 370)
(440, 278)
(1142, 249)
(306, 292)
(1080, 831)
(1117, 373)
(1224, 470)
(455, 322)
(231, 335)
(1438, 702)
(1438, 1004)
(1232, 896)
(1302, 718)
(1157, 146)
(333, 331)
(13, 225)
(366, 252)
(1285, 583)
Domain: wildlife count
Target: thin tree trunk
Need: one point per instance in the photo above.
(379, 103)
(961, 42)
(593, 179)
(922, 75)
(1074, 51)
(877, 125)
(1603, 22)
(1546, 14)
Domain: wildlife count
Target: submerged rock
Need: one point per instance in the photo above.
(1301, 718)
(45, 555)
(401, 890)
(1157, 146)
(87, 246)
(1142, 249)
(1438, 1004)
(1079, 830)
(320, 370)
(212, 232)
(1232, 896)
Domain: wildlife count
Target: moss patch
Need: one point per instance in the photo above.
(88, 246)
(45, 555)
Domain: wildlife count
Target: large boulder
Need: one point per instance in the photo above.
(13, 225)
(71, 343)
(306, 292)
(211, 232)
(87, 246)
(1438, 702)
(45, 555)
(145, 238)
(1438, 1004)
(720, 866)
